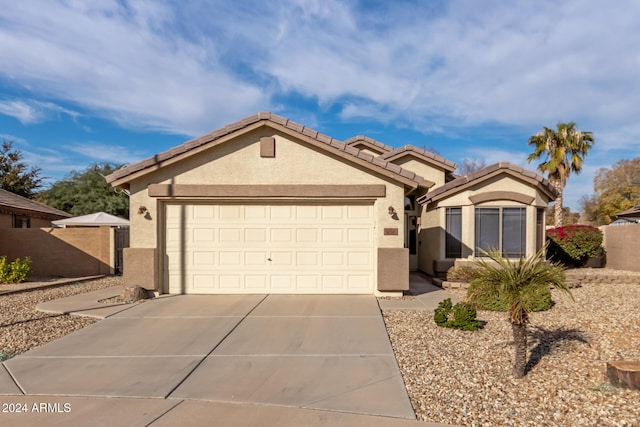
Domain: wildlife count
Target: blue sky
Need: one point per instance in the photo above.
(118, 80)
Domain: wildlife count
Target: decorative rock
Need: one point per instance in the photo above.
(624, 373)
(133, 294)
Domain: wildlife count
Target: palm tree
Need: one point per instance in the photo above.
(564, 150)
(518, 283)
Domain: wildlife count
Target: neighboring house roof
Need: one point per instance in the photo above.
(126, 174)
(13, 203)
(422, 154)
(464, 182)
(92, 220)
(633, 212)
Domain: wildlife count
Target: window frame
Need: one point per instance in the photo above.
(501, 223)
(451, 229)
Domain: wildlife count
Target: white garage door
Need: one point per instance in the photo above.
(269, 248)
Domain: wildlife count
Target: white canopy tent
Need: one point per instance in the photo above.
(97, 219)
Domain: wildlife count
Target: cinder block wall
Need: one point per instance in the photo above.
(622, 243)
(63, 252)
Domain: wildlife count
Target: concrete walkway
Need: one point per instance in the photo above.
(423, 295)
(239, 360)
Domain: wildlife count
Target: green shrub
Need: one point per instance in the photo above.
(459, 316)
(14, 272)
(539, 299)
(572, 245)
(462, 273)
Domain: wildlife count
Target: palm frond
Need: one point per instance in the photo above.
(515, 281)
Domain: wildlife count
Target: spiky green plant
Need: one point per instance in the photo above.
(518, 283)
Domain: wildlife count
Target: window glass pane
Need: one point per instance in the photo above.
(453, 241)
(487, 229)
(513, 232)
(539, 229)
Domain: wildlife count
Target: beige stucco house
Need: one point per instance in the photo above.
(266, 205)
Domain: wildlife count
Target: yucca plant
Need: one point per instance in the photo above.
(518, 283)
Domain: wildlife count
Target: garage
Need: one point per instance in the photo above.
(253, 248)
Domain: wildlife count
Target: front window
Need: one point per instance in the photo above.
(21, 221)
(453, 240)
(502, 229)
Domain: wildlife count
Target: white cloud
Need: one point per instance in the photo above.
(130, 62)
(436, 67)
(97, 152)
(30, 111)
(188, 68)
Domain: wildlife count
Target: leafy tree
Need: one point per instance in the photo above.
(518, 283)
(15, 175)
(563, 151)
(616, 189)
(470, 165)
(87, 192)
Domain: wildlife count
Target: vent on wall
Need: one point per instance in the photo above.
(267, 146)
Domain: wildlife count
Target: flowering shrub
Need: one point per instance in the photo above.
(573, 244)
(16, 271)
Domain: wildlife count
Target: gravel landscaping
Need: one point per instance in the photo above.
(22, 327)
(452, 376)
(465, 378)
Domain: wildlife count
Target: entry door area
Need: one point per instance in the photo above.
(277, 248)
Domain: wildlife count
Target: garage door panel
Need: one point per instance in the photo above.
(281, 259)
(230, 212)
(203, 212)
(259, 258)
(332, 259)
(359, 212)
(230, 259)
(269, 248)
(358, 281)
(255, 235)
(332, 212)
(256, 282)
(307, 235)
(307, 259)
(204, 259)
(332, 235)
(360, 259)
(284, 212)
(230, 282)
(230, 235)
(255, 212)
(307, 213)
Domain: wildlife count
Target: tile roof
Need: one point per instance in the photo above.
(14, 201)
(457, 184)
(324, 141)
(633, 212)
(369, 141)
(398, 152)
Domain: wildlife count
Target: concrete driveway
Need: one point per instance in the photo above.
(328, 353)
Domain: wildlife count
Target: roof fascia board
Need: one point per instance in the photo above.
(420, 157)
(337, 148)
(534, 182)
(344, 155)
(119, 182)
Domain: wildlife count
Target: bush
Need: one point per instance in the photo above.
(539, 299)
(462, 273)
(572, 245)
(459, 316)
(14, 272)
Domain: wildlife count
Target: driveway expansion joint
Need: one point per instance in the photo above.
(197, 365)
